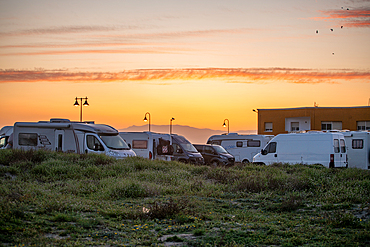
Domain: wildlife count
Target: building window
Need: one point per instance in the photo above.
(331, 125)
(294, 126)
(268, 127)
(363, 125)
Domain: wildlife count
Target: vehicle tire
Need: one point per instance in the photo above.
(214, 163)
(183, 161)
(245, 161)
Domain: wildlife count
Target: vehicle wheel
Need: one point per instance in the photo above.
(245, 161)
(183, 161)
(214, 163)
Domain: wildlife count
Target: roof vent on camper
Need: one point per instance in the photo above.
(59, 120)
(232, 134)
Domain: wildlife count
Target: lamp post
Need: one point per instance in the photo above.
(228, 123)
(145, 119)
(84, 104)
(256, 111)
(171, 125)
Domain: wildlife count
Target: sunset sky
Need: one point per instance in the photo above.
(198, 61)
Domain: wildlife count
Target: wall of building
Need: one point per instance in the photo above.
(349, 116)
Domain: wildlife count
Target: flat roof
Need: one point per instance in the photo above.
(313, 107)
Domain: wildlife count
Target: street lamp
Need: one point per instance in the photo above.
(145, 119)
(84, 104)
(171, 125)
(256, 111)
(224, 125)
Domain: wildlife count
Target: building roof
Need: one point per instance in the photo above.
(297, 108)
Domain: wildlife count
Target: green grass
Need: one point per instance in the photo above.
(57, 199)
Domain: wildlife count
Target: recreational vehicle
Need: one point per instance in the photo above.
(242, 147)
(5, 135)
(314, 147)
(358, 143)
(152, 145)
(66, 136)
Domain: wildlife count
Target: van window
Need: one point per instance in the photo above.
(239, 144)
(2, 141)
(93, 143)
(357, 144)
(208, 150)
(342, 146)
(140, 144)
(253, 143)
(336, 146)
(271, 147)
(27, 139)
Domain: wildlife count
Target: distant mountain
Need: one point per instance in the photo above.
(194, 135)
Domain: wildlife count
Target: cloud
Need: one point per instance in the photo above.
(235, 75)
(349, 18)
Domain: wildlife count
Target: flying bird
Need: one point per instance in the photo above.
(317, 31)
(331, 29)
(341, 26)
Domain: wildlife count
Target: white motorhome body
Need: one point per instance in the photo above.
(66, 136)
(314, 147)
(162, 146)
(145, 144)
(242, 147)
(358, 143)
(5, 133)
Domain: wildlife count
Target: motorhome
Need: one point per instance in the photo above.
(358, 143)
(66, 136)
(215, 155)
(152, 145)
(242, 147)
(5, 133)
(313, 147)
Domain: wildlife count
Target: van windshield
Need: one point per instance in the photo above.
(220, 150)
(114, 142)
(185, 144)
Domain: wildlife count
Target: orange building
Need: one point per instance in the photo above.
(277, 121)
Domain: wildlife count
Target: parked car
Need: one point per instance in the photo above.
(215, 155)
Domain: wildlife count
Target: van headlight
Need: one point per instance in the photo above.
(114, 154)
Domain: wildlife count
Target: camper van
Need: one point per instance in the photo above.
(242, 147)
(313, 147)
(358, 143)
(5, 134)
(66, 136)
(152, 145)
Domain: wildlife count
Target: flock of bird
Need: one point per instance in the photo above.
(332, 29)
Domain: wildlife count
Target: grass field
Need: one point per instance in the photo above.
(56, 199)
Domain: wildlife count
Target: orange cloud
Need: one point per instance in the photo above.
(350, 18)
(235, 75)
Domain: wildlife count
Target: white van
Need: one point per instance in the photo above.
(5, 134)
(66, 136)
(242, 147)
(358, 143)
(152, 145)
(313, 147)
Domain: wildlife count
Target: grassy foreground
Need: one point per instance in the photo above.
(56, 199)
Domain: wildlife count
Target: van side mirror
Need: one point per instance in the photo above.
(263, 151)
(98, 147)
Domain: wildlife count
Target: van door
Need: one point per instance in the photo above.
(59, 140)
(343, 153)
(270, 154)
(93, 144)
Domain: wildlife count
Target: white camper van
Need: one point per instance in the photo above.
(358, 143)
(149, 145)
(5, 134)
(242, 147)
(64, 135)
(314, 147)
(152, 145)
